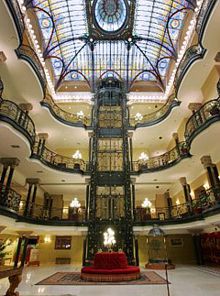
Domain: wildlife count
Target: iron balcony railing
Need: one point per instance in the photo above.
(9, 198)
(208, 202)
(12, 113)
(201, 119)
(163, 161)
(55, 160)
(20, 120)
(64, 116)
(156, 116)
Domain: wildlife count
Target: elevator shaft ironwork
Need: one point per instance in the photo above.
(110, 203)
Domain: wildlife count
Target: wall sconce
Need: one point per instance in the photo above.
(206, 186)
(177, 202)
(47, 239)
(21, 204)
(77, 155)
(143, 156)
(65, 210)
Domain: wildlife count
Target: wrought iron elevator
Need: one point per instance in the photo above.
(109, 201)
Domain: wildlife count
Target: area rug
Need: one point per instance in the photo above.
(73, 278)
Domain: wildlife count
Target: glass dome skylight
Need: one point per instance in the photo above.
(155, 38)
(110, 15)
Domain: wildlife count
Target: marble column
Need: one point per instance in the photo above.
(6, 179)
(186, 190)
(212, 173)
(41, 144)
(31, 196)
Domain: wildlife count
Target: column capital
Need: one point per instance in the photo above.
(90, 134)
(194, 106)
(183, 181)
(43, 136)
(206, 161)
(130, 134)
(133, 181)
(87, 181)
(26, 106)
(32, 181)
(24, 233)
(6, 161)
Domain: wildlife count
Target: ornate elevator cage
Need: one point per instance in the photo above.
(110, 202)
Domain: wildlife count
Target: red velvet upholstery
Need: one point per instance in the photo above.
(127, 270)
(113, 260)
(110, 267)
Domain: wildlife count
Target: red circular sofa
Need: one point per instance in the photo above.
(110, 267)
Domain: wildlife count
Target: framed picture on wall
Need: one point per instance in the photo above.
(176, 242)
(63, 243)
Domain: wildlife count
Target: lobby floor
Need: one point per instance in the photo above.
(185, 281)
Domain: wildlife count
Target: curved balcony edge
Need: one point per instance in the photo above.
(208, 114)
(61, 168)
(62, 120)
(7, 212)
(161, 162)
(192, 54)
(16, 14)
(195, 52)
(183, 220)
(172, 105)
(210, 212)
(35, 65)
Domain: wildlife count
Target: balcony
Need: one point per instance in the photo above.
(11, 205)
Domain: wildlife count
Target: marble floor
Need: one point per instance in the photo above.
(185, 281)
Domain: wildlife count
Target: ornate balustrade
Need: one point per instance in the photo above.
(9, 198)
(64, 116)
(207, 204)
(13, 114)
(201, 119)
(163, 161)
(21, 121)
(156, 116)
(57, 161)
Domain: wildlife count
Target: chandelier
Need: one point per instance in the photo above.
(75, 203)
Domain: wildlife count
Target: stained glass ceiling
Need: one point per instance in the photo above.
(146, 55)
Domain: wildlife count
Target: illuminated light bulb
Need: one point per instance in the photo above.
(146, 203)
(75, 203)
(77, 155)
(143, 156)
